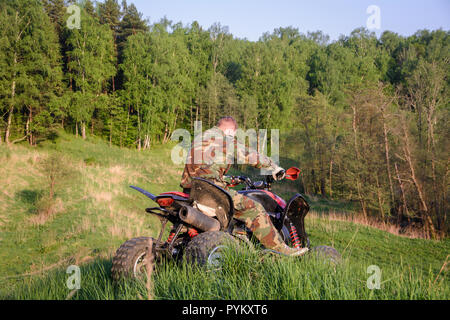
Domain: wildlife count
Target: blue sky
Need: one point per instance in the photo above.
(251, 18)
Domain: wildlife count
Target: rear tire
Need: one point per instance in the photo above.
(131, 258)
(205, 248)
(328, 253)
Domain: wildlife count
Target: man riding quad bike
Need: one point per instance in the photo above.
(208, 213)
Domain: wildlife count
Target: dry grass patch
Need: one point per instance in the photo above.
(411, 233)
(121, 232)
(118, 174)
(102, 196)
(46, 211)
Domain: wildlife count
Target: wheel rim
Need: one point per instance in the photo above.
(215, 257)
(139, 265)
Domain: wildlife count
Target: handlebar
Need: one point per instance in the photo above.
(249, 184)
(291, 174)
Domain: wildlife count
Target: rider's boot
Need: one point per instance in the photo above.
(271, 238)
(292, 252)
(258, 221)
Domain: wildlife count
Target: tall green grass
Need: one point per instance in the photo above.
(247, 274)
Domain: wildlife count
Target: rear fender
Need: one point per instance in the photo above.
(145, 193)
(174, 195)
(208, 194)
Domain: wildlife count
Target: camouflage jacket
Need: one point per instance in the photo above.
(208, 158)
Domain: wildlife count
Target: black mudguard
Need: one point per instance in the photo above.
(144, 192)
(207, 193)
(295, 212)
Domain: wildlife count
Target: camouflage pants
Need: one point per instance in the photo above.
(255, 217)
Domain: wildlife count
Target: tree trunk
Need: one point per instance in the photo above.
(428, 222)
(402, 191)
(165, 133)
(431, 143)
(126, 123)
(13, 86)
(8, 127)
(83, 130)
(313, 178)
(29, 132)
(386, 152)
(191, 119)
(358, 181)
(146, 142)
(139, 130)
(330, 176)
(11, 107)
(110, 131)
(322, 186)
(196, 113)
(333, 148)
(380, 201)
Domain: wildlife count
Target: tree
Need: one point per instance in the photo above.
(55, 10)
(267, 75)
(198, 42)
(131, 24)
(110, 14)
(156, 70)
(92, 63)
(30, 67)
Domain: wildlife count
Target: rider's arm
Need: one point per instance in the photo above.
(252, 157)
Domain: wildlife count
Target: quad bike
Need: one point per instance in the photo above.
(202, 221)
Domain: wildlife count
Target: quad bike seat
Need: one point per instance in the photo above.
(212, 200)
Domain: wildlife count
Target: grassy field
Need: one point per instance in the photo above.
(95, 211)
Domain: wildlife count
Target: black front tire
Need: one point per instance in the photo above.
(131, 259)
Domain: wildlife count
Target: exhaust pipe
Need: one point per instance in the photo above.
(198, 219)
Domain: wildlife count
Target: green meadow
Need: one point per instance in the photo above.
(94, 211)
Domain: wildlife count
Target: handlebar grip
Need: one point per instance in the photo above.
(236, 179)
(281, 174)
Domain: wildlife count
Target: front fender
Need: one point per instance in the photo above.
(295, 212)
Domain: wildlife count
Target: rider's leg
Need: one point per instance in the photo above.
(254, 216)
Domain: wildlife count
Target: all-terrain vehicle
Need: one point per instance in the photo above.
(202, 221)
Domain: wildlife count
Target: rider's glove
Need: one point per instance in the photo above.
(279, 173)
(231, 180)
(228, 179)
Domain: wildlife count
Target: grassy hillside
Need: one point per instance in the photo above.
(96, 211)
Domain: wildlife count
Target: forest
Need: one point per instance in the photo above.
(365, 117)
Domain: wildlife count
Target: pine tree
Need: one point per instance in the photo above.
(56, 10)
(131, 24)
(110, 14)
(89, 7)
